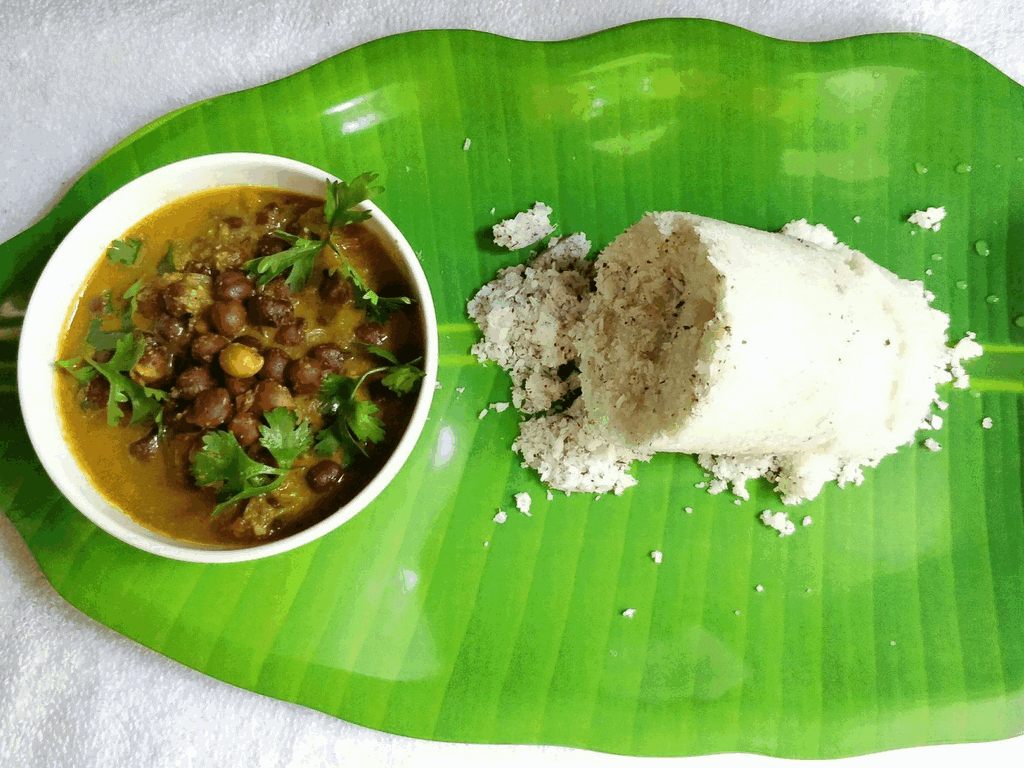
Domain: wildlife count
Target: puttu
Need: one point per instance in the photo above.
(784, 355)
(795, 358)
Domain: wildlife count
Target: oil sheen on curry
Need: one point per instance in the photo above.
(240, 363)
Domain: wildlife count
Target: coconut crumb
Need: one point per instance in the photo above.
(482, 413)
(929, 218)
(499, 407)
(656, 556)
(460, 390)
(986, 423)
(526, 314)
(688, 510)
(805, 522)
(551, 496)
(569, 456)
(501, 516)
(465, 144)
(759, 588)
(527, 228)
(523, 502)
(931, 445)
(779, 521)
(629, 613)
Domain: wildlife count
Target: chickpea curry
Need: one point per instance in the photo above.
(241, 363)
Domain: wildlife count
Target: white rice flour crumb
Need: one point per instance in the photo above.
(779, 521)
(527, 228)
(551, 496)
(501, 517)
(656, 556)
(460, 390)
(465, 144)
(807, 521)
(931, 445)
(499, 407)
(688, 510)
(437, 385)
(929, 218)
(986, 423)
(523, 502)
(629, 613)
(759, 588)
(482, 413)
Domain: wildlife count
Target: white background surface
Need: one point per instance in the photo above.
(77, 76)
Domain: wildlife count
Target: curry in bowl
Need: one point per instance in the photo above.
(240, 363)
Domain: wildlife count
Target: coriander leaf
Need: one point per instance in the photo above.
(122, 252)
(363, 422)
(76, 367)
(377, 308)
(284, 437)
(298, 258)
(379, 351)
(99, 339)
(354, 421)
(223, 460)
(145, 402)
(337, 438)
(335, 390)
(132, 296)
(341, 197)
(167, 262)
(401, 379)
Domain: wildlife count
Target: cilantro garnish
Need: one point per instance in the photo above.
(377, 308)
(222, 460)
(99, 339)
(75, 366)
(128, 348)
(284, 438)
(342, 197)
(167, 262)
(132, 297)
(298, 260)
(124, 252)
(352, 422)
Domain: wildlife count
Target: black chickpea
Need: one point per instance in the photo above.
(232, 285)
(246, 429)
(228, 317)
(304, 375)
(207, 346)
(211, 408)
(274, 364)
(192, 381)
(324, 475)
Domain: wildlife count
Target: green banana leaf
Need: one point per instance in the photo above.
(895, 619)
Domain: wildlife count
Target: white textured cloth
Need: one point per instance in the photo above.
(77, 76)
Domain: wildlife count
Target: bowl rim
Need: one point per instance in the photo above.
(63, 278)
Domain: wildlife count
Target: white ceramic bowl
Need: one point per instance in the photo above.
(61, 282)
